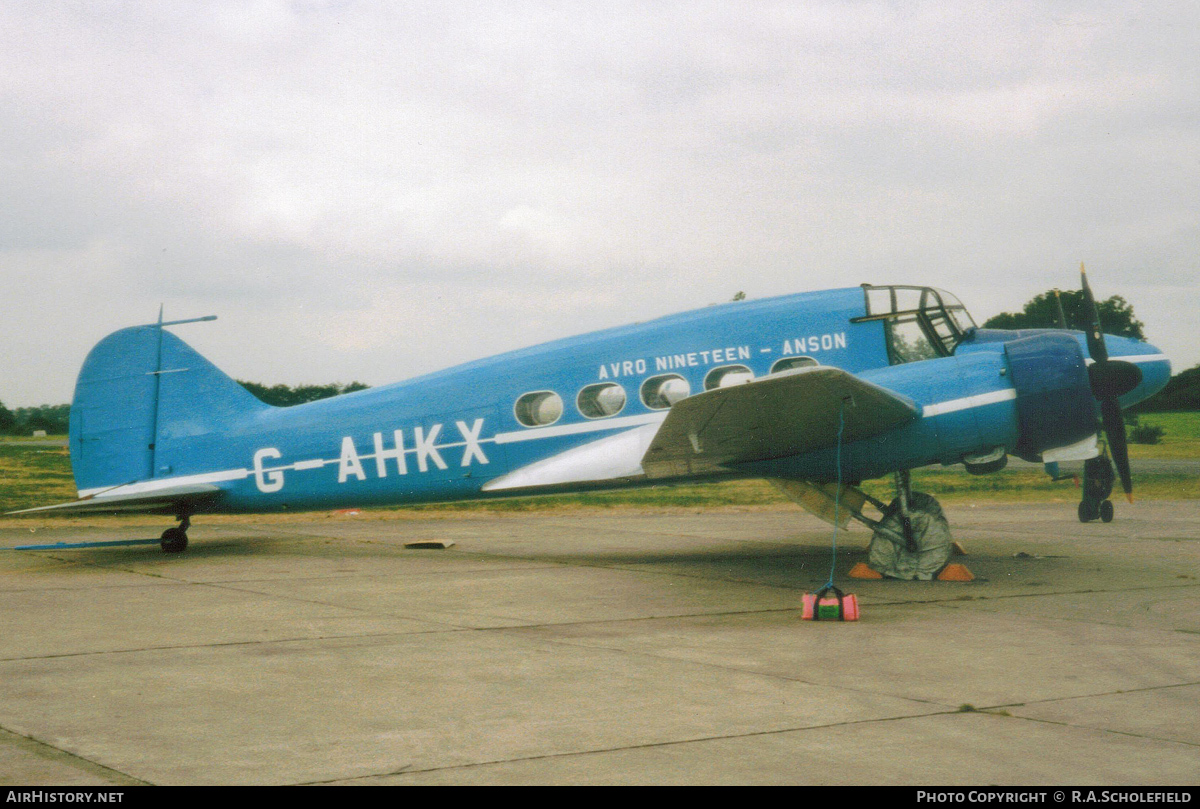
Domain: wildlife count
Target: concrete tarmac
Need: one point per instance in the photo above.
(610, 648)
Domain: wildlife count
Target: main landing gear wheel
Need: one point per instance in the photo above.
(928, 544)
(174, 540)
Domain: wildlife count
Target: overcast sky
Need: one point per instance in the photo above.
(368, 191)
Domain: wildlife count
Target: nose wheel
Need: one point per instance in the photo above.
(174, 540)
(1098, 479)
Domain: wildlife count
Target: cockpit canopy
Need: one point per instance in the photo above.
(921, 323)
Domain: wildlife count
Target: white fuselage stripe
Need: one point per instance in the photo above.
(979, 400)
(583, 427)
(1135, 358)
(155, 484)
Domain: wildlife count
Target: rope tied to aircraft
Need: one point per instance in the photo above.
(837, 493)
(822, 604)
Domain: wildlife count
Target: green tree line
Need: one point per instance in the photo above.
(27, 420)
(285, 396)
(1116, 315)
(1182, 392)
(54, 419)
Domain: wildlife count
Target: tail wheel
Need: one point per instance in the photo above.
(174, 540)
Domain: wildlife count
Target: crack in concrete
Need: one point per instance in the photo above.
(226, 644)
(646, 746)
(45, 750)
(1105, 730)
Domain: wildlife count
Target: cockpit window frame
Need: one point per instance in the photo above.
(939, 321)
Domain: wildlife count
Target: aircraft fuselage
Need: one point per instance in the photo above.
(469, 431)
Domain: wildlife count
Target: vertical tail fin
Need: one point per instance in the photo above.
(143, 399)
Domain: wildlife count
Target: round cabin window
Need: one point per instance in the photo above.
(660, 392)
(600, 401)
(539, 408)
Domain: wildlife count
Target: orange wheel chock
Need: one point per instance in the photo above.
(955, 572)
(861, 571)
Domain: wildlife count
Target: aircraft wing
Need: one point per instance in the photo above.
(160, 501)
(784, 414)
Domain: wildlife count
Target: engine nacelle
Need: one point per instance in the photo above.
(1055, 405)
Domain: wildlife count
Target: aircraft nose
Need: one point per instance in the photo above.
(1154, 365)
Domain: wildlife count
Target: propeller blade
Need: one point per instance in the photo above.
(1095, 338)
(1060, 317)
(1109, 379)
(1114, 430)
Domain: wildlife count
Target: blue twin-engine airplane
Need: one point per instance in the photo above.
(813, 391)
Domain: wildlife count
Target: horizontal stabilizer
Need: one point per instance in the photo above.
(160, 501)
(780, 415)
